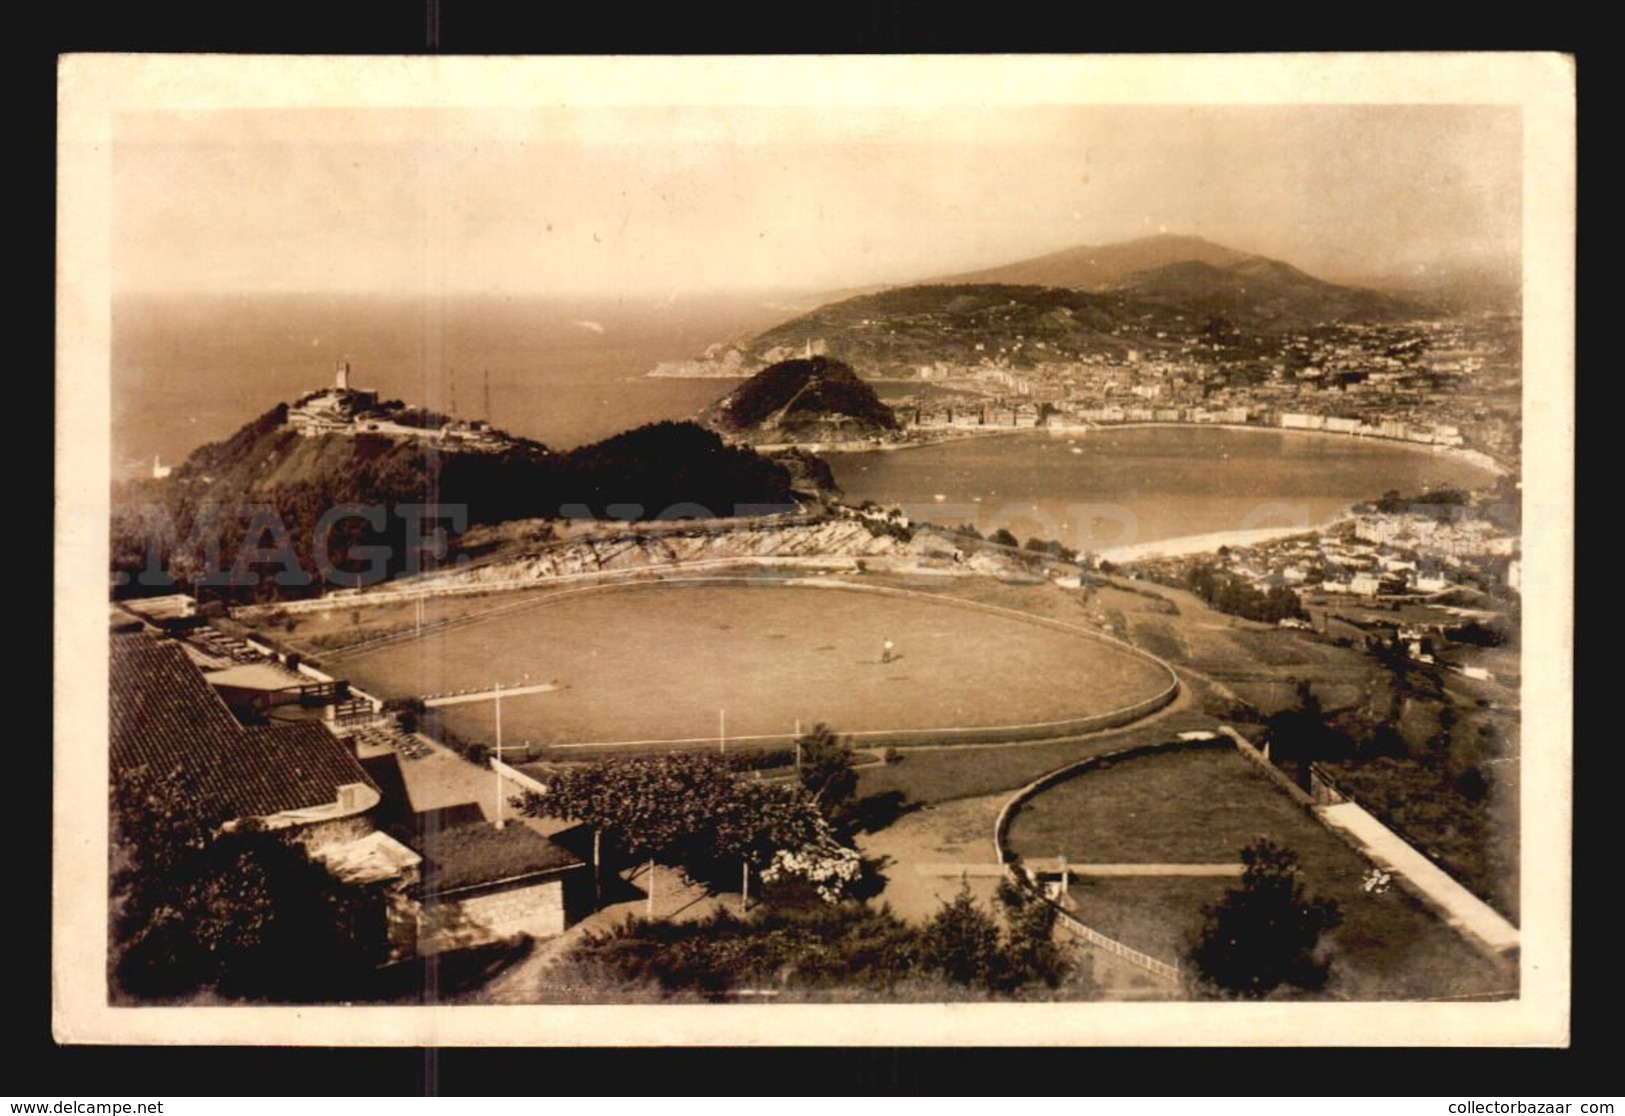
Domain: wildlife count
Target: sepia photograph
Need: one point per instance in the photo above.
(845, 550)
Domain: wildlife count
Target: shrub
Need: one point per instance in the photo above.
(1266, 932)
(961, 942)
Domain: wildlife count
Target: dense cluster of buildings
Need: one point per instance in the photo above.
(1450, 538)
(1431, 383)
(448, 876)
(1373, 555)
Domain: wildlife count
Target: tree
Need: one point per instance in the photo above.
(1264, 933)
(1301, 733)
(1052, 547)
(1003, 537)
(691, 809)
(961, 941)
(660, 806)
(241, 911)
(827, 774)
(1030, 955)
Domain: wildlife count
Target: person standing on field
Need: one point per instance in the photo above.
(886, 650)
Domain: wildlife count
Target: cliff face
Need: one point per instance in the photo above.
(842, 543)
(811, 400)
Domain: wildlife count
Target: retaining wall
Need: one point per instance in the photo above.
(1327, 795)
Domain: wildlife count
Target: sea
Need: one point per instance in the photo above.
(1111, 489)
(188, 371)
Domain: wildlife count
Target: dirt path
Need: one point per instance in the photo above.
(959, 832)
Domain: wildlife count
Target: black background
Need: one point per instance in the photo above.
(35, 1066)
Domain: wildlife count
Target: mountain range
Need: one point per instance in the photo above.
(1096, 267)
(1143, 295)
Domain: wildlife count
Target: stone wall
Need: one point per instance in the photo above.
(535, 909)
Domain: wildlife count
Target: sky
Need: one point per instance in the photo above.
(672, 200)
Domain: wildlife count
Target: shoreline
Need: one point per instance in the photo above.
(1184, 546)
(1476, 458)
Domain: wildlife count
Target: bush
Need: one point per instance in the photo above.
(961, 942)
(762, 760)
(1031, 957)
(1266, 932)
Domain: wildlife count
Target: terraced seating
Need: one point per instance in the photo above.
(386, 733)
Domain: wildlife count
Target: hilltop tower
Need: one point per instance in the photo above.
(341, 379)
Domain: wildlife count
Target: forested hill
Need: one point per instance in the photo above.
(360, 490)
(894, 332)
(1261, 293)
(898, 331)
(1095, 267)
(807, 400)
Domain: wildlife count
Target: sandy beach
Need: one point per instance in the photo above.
(1206, 544)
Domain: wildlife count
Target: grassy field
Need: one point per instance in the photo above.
(1202, 806)
(1177, 807)
(660, 661)
(929, 776)
(1257, 662)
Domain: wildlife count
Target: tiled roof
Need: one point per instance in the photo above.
(462, 850)
(164, 715)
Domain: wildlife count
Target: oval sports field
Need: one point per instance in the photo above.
(682, 661)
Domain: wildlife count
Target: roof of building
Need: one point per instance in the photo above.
(164, 715)
(461, 850)
(161, 608)
(370, 859)
(255, 676)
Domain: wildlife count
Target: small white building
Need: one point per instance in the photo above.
(1364, 584)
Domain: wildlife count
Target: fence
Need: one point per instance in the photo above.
(1133, 956)
(1273, 773)
(1323, 789)
(1018, 876)
(349, 704)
